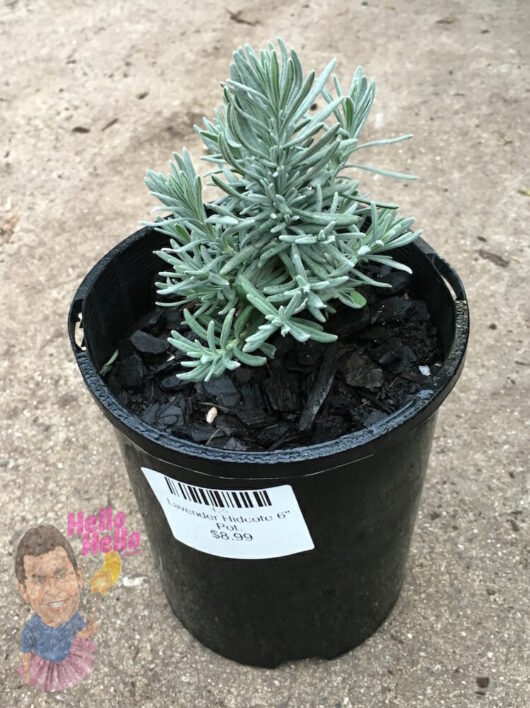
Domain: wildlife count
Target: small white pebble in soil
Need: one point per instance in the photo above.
(211, 415)
(425, 370)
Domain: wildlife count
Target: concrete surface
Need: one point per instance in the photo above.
(132, 78)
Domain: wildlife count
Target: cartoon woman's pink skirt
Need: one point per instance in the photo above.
(60, 675)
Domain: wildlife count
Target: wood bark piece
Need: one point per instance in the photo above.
(323, 383)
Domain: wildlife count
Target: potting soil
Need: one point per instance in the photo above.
(309, 393)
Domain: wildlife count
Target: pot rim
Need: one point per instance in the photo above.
(344, 449)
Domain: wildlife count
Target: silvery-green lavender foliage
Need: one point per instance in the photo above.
(287, 240)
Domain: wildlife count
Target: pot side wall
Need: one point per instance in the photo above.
(317, 603)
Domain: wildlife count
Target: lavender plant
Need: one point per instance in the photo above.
(288, 240)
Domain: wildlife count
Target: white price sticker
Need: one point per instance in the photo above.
(232, 523)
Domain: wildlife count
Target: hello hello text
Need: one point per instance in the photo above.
(104, 532)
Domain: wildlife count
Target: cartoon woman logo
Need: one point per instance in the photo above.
(57, 645)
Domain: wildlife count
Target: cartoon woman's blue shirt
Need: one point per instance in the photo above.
(51, 643)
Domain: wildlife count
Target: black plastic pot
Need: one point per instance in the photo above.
(330, 579)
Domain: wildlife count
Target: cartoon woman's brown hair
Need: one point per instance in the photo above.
(57, 646)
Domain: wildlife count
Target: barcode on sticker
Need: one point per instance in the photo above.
(220, 498)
